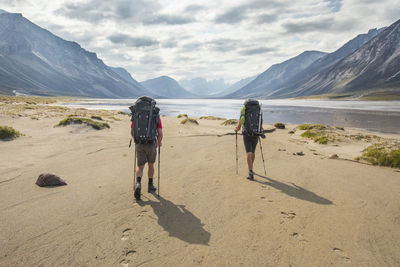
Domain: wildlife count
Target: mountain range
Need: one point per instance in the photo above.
(373, 66)
(35, 61)
(167, 87)
(277, 75)
(365, 64)
(202, 87)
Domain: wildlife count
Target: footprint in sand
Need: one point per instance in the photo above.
(289, 214)
(129, 254)
(341, 253)
(299, 236)
(125, 234)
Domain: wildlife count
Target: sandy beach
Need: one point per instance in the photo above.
(308, 210)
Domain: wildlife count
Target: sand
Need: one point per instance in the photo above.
(307, 211)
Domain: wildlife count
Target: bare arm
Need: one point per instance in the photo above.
(239, 125)
(159, 136)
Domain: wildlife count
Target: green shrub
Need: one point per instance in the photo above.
(182, 115)
(309, 134)
(312, 126)
(189, 120)
(381, 155)
(321, 139)
(114, 118)
(96, 117)
(279, 125)
(230, 122)
(211, 118)
(7, 132)
(74, 120)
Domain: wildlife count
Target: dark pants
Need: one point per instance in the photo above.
(250, 143)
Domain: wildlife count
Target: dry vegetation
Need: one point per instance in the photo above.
(230, 122)
(89, 122)
(323, 134)
(189, 121)
(212, 118)
(382, 154)
(8, 133)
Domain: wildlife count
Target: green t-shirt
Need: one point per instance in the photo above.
(242, 111)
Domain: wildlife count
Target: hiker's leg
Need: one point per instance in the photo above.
(150, 172)
(139, 170)
(141, 159)
(250, 160)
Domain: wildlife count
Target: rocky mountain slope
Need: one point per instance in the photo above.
(35, 61)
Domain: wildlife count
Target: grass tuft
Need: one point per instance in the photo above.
(212, 118)
(312, 126)
(319, 136)
(96, 117)
(279, 125)
(182, 115)
(230, 122)
(189, 120)
(7, 132)
(74, 120)
(380, 155)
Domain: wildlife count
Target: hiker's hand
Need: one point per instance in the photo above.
(236, 129)
(159, 144)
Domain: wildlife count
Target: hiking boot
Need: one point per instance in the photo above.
(151, 188)
(251, 176)
(138, 187)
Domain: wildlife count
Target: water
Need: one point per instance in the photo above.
(377, 116)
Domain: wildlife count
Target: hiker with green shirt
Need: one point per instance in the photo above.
(251, 121)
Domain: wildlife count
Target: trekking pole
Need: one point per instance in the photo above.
(159, 154)
(134, 170)
(236, 156)
(262, 156)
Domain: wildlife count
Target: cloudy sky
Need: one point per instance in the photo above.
(211, 39)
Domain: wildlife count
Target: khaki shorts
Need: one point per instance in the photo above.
(146, 153)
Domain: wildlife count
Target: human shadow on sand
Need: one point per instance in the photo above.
(178, 221)
(294, 191)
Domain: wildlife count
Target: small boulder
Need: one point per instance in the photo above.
(299, 153)
(333, 156)
(291, 132)
(49, 179)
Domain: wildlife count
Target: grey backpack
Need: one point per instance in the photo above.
(252, 118)
(145, 118)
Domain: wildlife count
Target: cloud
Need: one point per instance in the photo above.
(335, 5)
(192, 46)
(328, 24)
(194, 8)
(171, 43)
(132, 41)
(81, 12)
(240, 13)
(267, 18)
(119, 10)
(151, 60)
(232, 16)
(223, 44)
(257, 51)
(167, 19)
